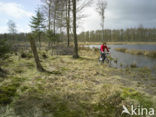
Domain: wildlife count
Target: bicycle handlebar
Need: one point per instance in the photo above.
(106, 52)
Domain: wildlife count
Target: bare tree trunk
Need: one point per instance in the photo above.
(101, 6)
(68, 22)
(49, 23)
(103, 21)
(49, 15)
(75, 54)
(103, 29)
(61, 26)
(54, 20)
(36, 57)
(54, 24)
(39, 38)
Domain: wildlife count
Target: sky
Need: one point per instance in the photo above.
(119, 14)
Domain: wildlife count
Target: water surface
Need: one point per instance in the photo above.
(125, 59)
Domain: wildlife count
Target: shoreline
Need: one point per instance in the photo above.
(151, 53)
(118, 43)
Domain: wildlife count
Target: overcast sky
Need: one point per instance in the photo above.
(119, 14)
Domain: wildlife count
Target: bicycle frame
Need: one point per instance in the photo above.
(104, 57)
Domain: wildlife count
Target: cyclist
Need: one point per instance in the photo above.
(103, 50)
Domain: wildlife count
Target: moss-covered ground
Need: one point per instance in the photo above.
(72, 87)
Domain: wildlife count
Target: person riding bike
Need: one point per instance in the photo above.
(103, 50)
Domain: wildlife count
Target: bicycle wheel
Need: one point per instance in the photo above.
(100, 60)
(107, 60)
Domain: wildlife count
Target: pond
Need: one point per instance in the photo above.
(126, 59)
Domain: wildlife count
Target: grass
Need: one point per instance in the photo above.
(8, 90)
(72, 87)
(137, 52)
(133, 94)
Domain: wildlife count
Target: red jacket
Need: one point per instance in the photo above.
(103, 47)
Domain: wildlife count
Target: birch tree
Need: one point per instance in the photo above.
(12, 28)
(101, 7)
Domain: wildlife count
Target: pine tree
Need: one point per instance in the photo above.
(37, 25)
(35, 53)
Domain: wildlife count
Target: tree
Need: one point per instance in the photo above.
(35, 53)
(75, 54)
(101, 6)
(68, 9)
(47, 9)
(49, 14)
(53, 10)
(12, 28)
(37, 24)
(61, 17)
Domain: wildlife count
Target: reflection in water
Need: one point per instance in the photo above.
(127, 59)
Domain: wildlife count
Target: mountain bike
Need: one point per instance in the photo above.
(105, 57)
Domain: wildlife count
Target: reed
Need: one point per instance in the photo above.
(137, 52)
